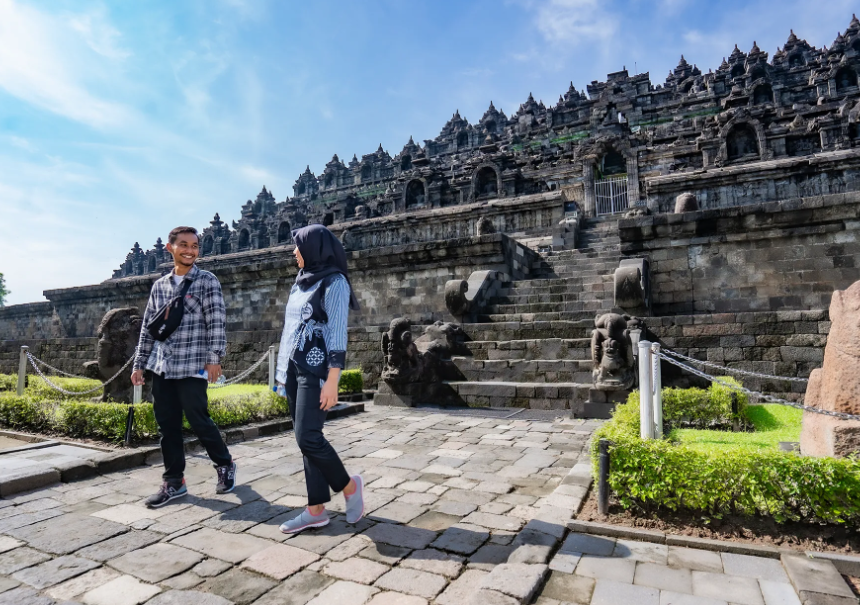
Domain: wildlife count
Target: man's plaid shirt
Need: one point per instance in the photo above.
(200, 339)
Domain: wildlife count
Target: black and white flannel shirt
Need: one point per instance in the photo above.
(200, 339)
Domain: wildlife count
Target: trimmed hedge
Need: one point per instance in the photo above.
(655, 474)
(351, 381)
(36, 387)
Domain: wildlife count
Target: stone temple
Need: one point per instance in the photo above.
(721, 208)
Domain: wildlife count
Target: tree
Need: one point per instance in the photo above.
(3, 291)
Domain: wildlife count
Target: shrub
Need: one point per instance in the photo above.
(694, 407)
(654, 474)
(8, 382)
(351, 381)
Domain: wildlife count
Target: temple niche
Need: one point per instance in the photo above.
(753, 107)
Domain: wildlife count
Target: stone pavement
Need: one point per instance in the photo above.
(461, 510)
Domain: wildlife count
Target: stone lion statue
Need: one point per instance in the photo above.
(402, 359)
(612, 353)
(118, 334)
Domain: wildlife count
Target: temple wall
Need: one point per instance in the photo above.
(769, 257)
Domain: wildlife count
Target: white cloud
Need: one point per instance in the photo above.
(38, 65)
(574, 21)
(99, 34)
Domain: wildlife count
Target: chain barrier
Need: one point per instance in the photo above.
(243, 375)
(33, 362)
(734, 370)
(57, 370)
(756, 394)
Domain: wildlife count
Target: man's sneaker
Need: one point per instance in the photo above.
(167, 493)
(226, 478)
(355, 501)
(304, 521)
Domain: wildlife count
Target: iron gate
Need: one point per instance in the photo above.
(611, 194)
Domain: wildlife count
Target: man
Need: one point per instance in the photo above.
(182, 364)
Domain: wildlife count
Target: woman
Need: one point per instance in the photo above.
(311, 357)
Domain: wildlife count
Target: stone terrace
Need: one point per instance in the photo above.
(462, 510)
(449, 498)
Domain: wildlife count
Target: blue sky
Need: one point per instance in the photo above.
(120, 120)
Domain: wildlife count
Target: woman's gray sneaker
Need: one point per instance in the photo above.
(226, 478)
(355, 501)
(166, 494)
(304, 521)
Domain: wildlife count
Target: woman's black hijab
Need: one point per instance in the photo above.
(323, 255)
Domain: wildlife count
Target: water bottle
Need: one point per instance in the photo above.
(203, 374)
(280, 390)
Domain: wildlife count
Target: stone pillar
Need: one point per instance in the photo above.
(589, 205)
(836, 385)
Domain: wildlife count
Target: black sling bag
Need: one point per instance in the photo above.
(168, 317)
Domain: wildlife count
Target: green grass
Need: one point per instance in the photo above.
(773, 423)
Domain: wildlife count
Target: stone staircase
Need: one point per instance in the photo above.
(532, 346)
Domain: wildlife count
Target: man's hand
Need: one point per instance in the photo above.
(137, 378)
(328, 394)
(214, 371)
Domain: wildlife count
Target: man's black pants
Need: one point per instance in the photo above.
(323, 467)
(172, 398)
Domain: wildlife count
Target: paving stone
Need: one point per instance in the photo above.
(356, 569)
(238, 586)
(815, 575)
(24, 595)
(609, 592)
(234, 548)
(694, 558)
(495, 508)
(412, 581)
(490, 555)
(188, 597)
(645, 552)
(124, 590)
(326, 538)
(156, 562)
(7, 544)
(588, 545)
(128, 513)
(778, 593)
(396, 598)
(385, 553)
(740, 590)
(348, 549)
(532, 546)
(387, 454)
(239, 519)
(491, 521)
(667, 597)
(63, 536)
(279, 561)
(297, 589)
(415, 498)
(211, 567)
(491, 597)
(54, 571)
(78, 586)
(401, 535)
(183, 581)
(564, 562)
(22, 557)
(441, 469)
(664, 578)
(467, 497)
(462, 539)
(458, 509)
(461, 590)
(435, 562)
(754, 567)
(416, 486)
(517, 580)
(342, 592)
(605, 568)
(494, 487)
(398, 512)
(567, 587)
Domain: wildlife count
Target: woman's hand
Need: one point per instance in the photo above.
(328, 394)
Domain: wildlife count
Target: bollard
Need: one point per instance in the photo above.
(272, 367)
(736, 423)
(22, 370)
(657, 389)
(603, 477)
(129, 424)
(646, 410)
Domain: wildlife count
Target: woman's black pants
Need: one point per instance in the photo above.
(323, 467)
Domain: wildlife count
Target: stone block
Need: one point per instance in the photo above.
(237, 586)
(517, 580)
(610, 592)
(157, 562)
(815, 576)
(743, 591)
(124, 590)
(412, 581)
(279, 561)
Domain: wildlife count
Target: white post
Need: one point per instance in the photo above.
(137, 395)
(646, 412)
(658, 391)
(272, 366)
(22, 370)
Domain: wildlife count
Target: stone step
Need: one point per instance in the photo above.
(501, 331)
(522, 370)
(532, 395)
(551, 317)
(589, 264)
(540, 348)
(559, 299)
(588, 306)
